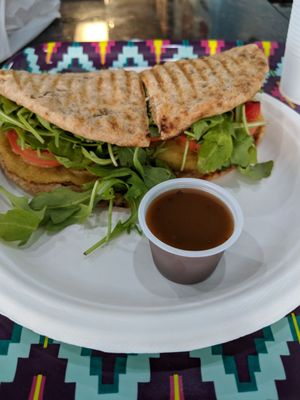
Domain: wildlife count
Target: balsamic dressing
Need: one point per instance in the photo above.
(190, 219)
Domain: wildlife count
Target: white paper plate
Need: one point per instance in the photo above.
(115, 300)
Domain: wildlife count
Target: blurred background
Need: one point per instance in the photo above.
(97, 20)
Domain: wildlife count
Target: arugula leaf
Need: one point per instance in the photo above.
(155, 175)
(59, 215)
(137, 162)
(120, 227)
(200, 127)
(10, 120)
(112, 155)
(125, 155)
(68, 154)
(23, 116)
(137, 188)
(185, 153)
(21, 202)
(215, 151)
(93, 157)
(47, 125)
(109, 172)
(19, 224)
(103, 189)
(238, 113)
(8, 105)
(58, 198)
(242, 144)
(257, 171)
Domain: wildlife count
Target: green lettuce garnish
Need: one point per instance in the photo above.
(257, 171)
(215, 150)
(224, 141)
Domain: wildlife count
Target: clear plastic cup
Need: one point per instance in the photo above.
(188, 266)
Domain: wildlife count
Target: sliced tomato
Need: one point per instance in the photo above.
(193, 145)
(252, 111)
(44, 160)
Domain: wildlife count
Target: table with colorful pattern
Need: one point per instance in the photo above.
(264, 365)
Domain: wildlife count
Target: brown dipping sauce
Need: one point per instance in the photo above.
(190, 219)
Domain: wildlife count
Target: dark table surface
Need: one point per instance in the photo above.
(96, 20)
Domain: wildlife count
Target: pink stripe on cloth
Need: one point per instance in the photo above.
(32, 390)
(41, 394)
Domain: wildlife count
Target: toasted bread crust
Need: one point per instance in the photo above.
(104, 106)
(185, 91)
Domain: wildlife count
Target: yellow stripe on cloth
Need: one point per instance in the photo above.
(37, 389)
(45, 344)
(50, 48)
(176, 387)
(296, 326)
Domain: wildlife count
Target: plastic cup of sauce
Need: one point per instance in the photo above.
(189, 224)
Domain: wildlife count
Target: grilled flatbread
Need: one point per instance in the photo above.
(185, 91)
(104, 106)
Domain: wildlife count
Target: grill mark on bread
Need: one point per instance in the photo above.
(158, 79)
(225, 66)
(28, 84)
(17, 79)
(176, 82)
(68, 95)
(82, 90)
(198, 84)
(113, 83)
(233, 69)
(43, 86)
(99, 84)
(128, 85)
(223, 72)
(215, 73)
(113, 122)
(188, 77)
(195, 64)
(236, 62)
(55, 83)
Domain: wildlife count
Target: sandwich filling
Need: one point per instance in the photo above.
(210, 145)
(41, 157)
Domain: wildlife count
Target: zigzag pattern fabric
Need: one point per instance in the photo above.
(259, 366)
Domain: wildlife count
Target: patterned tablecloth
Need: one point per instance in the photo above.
(263, 365)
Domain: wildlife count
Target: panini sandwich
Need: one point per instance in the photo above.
(189, 117)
